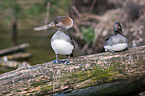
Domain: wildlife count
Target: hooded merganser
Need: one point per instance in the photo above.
(118, 42)
(61, 42)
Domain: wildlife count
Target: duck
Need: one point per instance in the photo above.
(117, 42)
(61, 42)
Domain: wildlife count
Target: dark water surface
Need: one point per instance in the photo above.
(39, 44)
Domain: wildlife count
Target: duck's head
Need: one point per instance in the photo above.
(62, 22)
(117, 28)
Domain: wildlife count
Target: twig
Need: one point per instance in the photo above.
(85, 47)
(76, 11)
(90, 16)
(40, 28)
(80, 22)
(13, 49)
(47, 13)
(92, 5)
(77, 30)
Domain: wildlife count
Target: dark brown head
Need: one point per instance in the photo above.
(117, 28)
(62, 22)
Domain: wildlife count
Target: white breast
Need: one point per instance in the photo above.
(117, 47)
(62, 47)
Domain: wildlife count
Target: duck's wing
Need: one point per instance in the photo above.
(107, 41)
(62, 36)
(116, 39)
(108, 38)
(124, 39)
(70, 40)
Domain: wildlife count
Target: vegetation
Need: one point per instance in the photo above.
(88, 34)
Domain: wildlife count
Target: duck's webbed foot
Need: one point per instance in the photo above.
(67, 61)
(57, 61)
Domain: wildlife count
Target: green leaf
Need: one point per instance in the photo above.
(36, 10)
(88, 34)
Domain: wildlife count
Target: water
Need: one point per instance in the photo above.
(39, 44)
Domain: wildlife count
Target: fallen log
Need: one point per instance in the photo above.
(98, 74)
(8, 65)
(19, 56)
(15, 49)
(11, 64)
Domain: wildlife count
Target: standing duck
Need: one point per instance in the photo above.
(118, 42)
(61, 43)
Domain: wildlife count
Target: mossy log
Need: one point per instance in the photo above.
(98, 74)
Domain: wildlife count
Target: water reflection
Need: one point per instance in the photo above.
(39, 44)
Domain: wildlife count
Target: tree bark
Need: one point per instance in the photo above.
(98, 74)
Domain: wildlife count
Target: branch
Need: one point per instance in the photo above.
(98, 74)
(19, 56)
(93, 5)
(76, 11)
(47, 13)
(13, 49)
(41, 28)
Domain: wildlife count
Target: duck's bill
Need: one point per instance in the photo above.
(51, 25)
(116, 29)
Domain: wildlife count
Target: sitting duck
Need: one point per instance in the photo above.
(118, 42)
